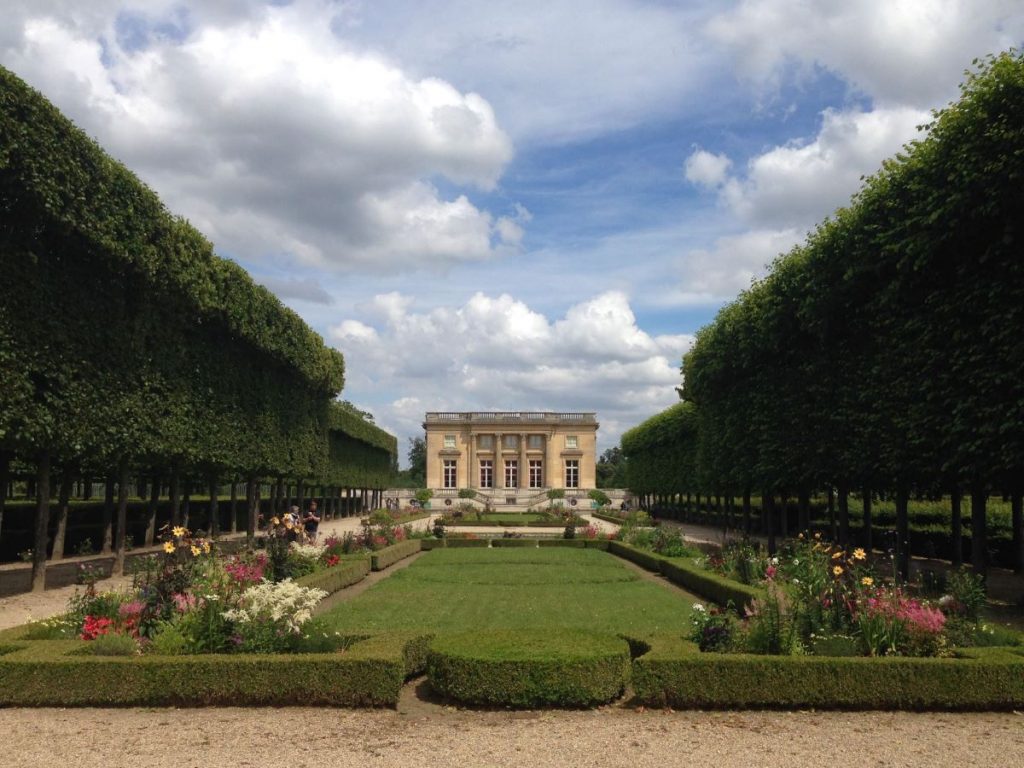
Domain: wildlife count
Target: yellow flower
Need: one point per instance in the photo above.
(169, 547)
(867, 581)
(836, 555)
(800, 536)
(274, 521)
(195, 551)
(206, 547)
(178, 531)
(838, 570)
(817, 535)
(288, 525)
(859, 554)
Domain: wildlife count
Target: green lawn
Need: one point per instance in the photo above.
(449, 590)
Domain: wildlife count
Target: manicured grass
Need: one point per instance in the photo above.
(452, 590)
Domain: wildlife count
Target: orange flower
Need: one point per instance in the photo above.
(838, 570)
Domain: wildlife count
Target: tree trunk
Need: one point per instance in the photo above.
(234, 505)
(958, 527)
(804, 511)
(746, 512)
(5, 479)
(979, 531)
(844, 515)
(768, 507)
(250, 521)
(275, 505)
(63, 510)
(186, 505)
(214, 508)
(122, 516)
(300, 494)
(154, 499)
(832, 533)
(175, 492)
(1017, 520)
(87, 488)
(866, 537)
(42, 522)
(107, 535)
(783, 514)
(902, 534)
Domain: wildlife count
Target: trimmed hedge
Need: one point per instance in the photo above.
(370, 673)
(428, 544)
(529, 668)
(514, 543)
(455, 543)
(686, 573)
(573, 543)
(390, 555)
(648, 560)
(345, 574)
(608, 518)
(601, 544)
(674, 673)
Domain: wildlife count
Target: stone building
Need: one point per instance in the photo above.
(511, 453)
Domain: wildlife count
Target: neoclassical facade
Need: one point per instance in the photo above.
(525, 451)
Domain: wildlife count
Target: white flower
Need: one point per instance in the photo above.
(796, 581)
(698, 607)
(285, 602)
(795, 561)
(775, 561)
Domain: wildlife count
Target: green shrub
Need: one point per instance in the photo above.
(390, 555)
(687, 574)
(54, 673)
(556, 493)
(455, 543)
(168, 640)
(529, 668)
(573, 543)
(113, 645)
(643, 558)
(345, 574)
(675, 674)
(466, 493)
(428, 544)
(514, 543)
(423, 495)
(599, 497)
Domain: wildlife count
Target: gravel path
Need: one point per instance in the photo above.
(604, 738)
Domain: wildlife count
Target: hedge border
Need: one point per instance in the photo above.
(455, 543)
(345, 574)
(526, 543)
(536, 668)
(674, 673)
(54, 673)
(385, 558)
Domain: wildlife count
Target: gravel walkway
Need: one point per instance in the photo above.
(604, 738)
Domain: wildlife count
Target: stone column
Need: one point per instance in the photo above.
(471, 481)
(499, 463)
(524, 472)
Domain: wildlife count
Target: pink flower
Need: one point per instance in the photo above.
(770, 572)
(183, 602)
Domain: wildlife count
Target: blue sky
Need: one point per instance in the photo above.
(525, 205)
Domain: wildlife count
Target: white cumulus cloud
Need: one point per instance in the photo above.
(496, 353)
(274, 136)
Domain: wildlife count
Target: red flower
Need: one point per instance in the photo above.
(94, 626)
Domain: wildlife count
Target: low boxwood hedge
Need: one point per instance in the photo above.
(601, 544)
(675, 673)
(573, 543)
(428, 544)
(608, 518)
(453, 542)
(388, 556)
(648, 560)
(54, 673)
(344, 574)
(686, 573)
(514, 543)
(529, 668)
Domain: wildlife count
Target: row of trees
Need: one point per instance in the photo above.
(129, 348)
(883, 354)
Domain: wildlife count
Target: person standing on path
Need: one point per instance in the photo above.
(311, 522)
